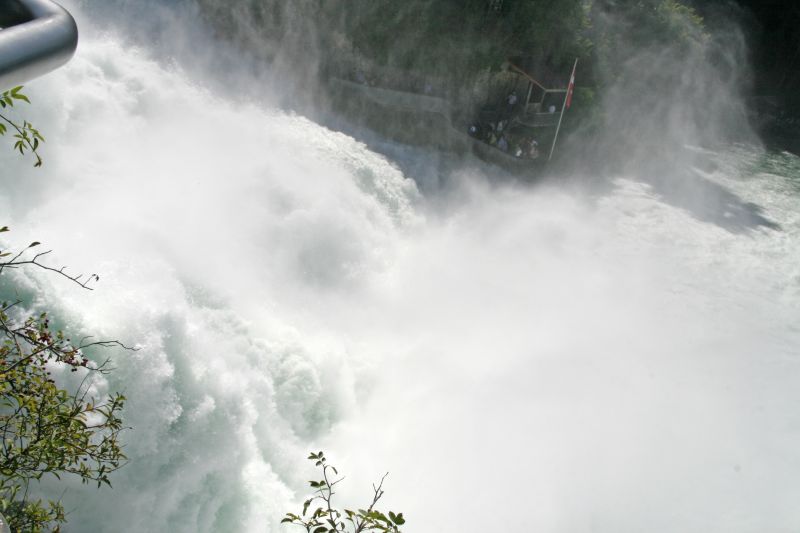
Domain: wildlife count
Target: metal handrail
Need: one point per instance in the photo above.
(37, 46)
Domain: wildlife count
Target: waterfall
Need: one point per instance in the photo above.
(581, 355)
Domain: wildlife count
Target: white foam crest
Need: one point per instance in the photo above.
(213, 226)
(565, 361)
(569, 363)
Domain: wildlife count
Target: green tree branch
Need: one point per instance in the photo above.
(27, 137)
(328, 519)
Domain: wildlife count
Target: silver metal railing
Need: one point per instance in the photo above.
(42, 38)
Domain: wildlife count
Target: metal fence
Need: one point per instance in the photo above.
(41, 37)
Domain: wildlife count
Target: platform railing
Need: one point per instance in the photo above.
(44, 39)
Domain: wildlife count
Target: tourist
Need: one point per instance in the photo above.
(511, 104)
(502, 143)
(360, 77)
(533, 149)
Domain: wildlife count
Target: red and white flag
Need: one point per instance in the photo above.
(571, 86)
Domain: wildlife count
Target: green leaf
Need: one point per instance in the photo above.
(21, 97)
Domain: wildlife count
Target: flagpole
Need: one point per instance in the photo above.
(563, 107)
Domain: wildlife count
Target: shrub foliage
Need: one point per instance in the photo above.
(325, 518)
(27, 137)
(48, 428)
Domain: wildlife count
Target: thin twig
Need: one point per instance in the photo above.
(15, 263)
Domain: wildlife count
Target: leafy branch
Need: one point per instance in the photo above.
(17, 260)
(45, 428)
(327, 519)
(27, 137)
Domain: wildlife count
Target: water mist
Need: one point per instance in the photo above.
(554, 358)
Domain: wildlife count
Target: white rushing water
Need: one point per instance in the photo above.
(563, 357)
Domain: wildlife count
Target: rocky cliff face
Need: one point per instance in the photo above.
(772, 31)
(449, 48)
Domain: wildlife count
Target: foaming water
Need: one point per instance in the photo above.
(551, 358)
